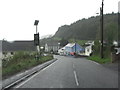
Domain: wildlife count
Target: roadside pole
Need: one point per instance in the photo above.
(36, 39)
(101, 21)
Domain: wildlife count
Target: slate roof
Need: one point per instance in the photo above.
(70, 45)
(52, 44)
(18, 46)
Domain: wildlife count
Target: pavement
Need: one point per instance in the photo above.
(70, 72)
(112, 66)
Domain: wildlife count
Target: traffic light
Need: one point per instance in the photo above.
(36, 39)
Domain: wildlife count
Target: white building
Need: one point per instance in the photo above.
(89, 43)
(88, 50)
(71, 49)
(62, 51)
(118, 50)
(52, 46)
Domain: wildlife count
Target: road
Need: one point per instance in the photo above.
(69, 72)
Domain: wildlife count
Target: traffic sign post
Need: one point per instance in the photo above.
(36, 39)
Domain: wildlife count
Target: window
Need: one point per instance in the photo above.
(88, 50)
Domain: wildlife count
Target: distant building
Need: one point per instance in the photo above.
(52, 47)
(72, 48)
(9, 48)
(118, 50)
(89, 43)
(62, 51)
(115, 43)
(88, 50)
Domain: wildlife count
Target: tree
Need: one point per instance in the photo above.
(63, 42)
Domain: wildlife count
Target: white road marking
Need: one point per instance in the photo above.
(61, 86)
(51, 87)
(33, 76)
(96, 63)
(26, 80)
(76, 80)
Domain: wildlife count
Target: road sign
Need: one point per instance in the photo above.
(36, 22)
(36, 39)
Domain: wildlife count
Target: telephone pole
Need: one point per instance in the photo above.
(118, 37)
(101, 20)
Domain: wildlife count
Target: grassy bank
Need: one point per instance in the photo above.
(99, 60)
(22, 61)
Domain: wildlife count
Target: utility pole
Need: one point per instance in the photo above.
(118, 37)
(101, 21)
(75, 45)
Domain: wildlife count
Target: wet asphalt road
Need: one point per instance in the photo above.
(69, 72)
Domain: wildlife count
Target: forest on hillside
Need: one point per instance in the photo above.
(89, 29)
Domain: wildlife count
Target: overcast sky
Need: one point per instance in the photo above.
(17, 16)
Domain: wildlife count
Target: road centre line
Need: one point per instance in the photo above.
(33, 76)
(76, 80)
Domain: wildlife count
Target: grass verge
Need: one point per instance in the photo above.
(99, 60)
(18, 64)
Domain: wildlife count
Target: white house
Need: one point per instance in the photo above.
(88, 50)
(52, 46)
(89, 43)
(115, 43)
(118, 50)
(62, 51)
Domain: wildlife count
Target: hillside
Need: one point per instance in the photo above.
(89, 29)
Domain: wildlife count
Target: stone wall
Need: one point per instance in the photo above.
(115, 57)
